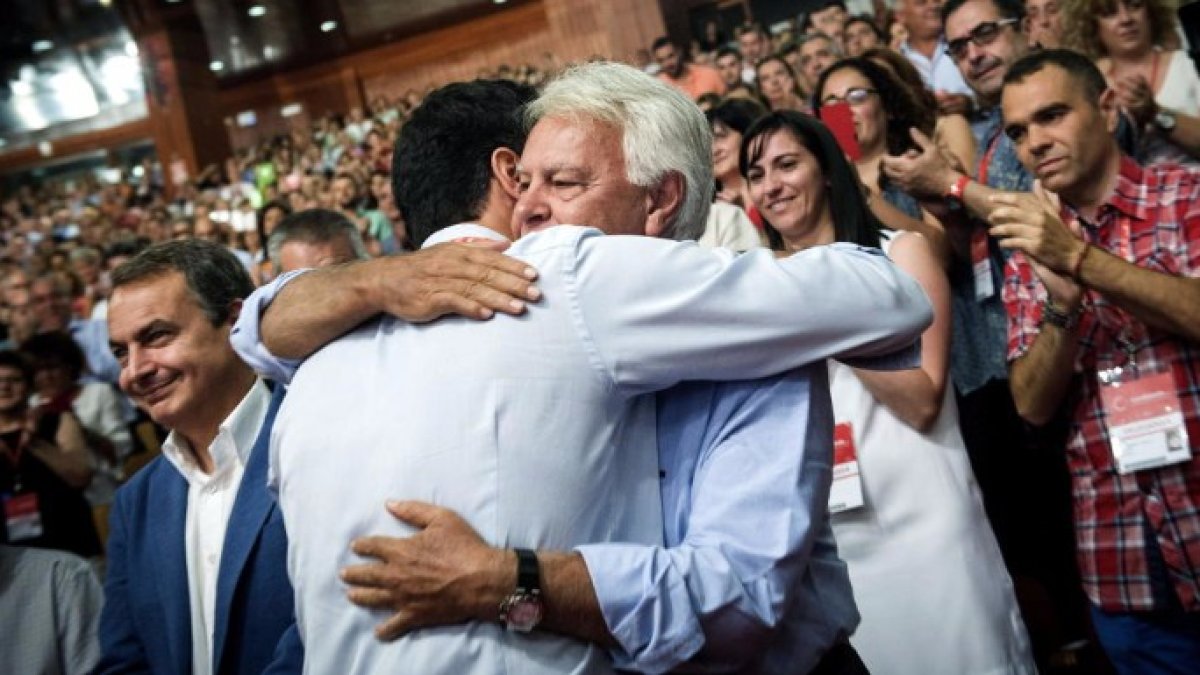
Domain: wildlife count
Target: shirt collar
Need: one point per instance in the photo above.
(461, 231)
(1129, 196)
(233, 442)
(939, 49)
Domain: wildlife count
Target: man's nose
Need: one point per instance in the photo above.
(532, 208)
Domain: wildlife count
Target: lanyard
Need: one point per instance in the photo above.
(987, 159)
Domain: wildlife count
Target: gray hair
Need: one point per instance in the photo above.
(817, 35)
(662, 131)
(215, 278)
(314, 226)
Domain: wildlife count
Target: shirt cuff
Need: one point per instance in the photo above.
(647, 610)
(247, 341)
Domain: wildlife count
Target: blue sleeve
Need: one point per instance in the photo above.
(121, 649)
(289, 654)
(740, 527)
(247, 341)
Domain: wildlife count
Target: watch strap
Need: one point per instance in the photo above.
(1056, 316)
(529, 577)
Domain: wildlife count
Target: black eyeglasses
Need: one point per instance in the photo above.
(983, 35)
(854, 96)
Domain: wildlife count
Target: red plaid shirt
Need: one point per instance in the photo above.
(1152, 220)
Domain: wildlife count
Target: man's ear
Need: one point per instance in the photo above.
(1110, 108)
(235, 310)
(504, 170)
(663, 203)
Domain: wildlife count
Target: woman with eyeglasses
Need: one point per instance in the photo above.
(928, 578)
(884, 111)
(1133, 42)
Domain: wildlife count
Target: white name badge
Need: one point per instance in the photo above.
(981, 265)
(1145, 423)
(846, 493)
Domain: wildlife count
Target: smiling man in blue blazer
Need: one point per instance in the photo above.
(197, 569)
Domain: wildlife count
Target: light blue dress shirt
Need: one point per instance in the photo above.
(748, 579)
(940, 72)
(622, 316)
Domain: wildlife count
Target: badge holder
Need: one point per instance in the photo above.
(1144, 417)
(981, 265)
(846, 493)
(22, 514)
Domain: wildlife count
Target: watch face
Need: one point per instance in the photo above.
(524, 614)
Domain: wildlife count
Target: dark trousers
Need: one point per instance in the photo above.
(1150, 643)
(1022, 473)
(841, 659)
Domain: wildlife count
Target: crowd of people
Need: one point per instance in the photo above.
(351, 401)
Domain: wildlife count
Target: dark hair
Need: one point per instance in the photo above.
(820, 8)
(14, 360)
(442, 168)
(901, 107)
(727, 51)
(752, 27)
(262, 216)
(315, 226)
(661, 42)
(1078, 67)
(125, 247)
(736, 113)
(1008, 9)
(214, 277)
(778, 58)
(859, 18)
(852, 218)
(55, 348)
(904, 71)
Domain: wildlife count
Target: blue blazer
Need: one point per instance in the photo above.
(146, 623)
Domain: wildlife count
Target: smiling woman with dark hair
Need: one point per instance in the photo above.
(927, 573)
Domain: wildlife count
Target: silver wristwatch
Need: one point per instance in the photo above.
(1165, 121)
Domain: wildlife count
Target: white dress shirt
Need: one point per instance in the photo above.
(533, 428)
(210, 501)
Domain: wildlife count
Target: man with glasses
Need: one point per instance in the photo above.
(1020, 474)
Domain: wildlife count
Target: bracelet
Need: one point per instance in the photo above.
(956, 191)
(1079, 263)
(1063, 319)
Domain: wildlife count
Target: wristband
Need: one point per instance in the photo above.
(957, 189)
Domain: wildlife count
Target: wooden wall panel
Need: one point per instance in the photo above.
(570, 30)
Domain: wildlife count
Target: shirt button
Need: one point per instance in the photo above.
(211, 558)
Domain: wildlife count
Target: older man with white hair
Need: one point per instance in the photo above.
(538, 431)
